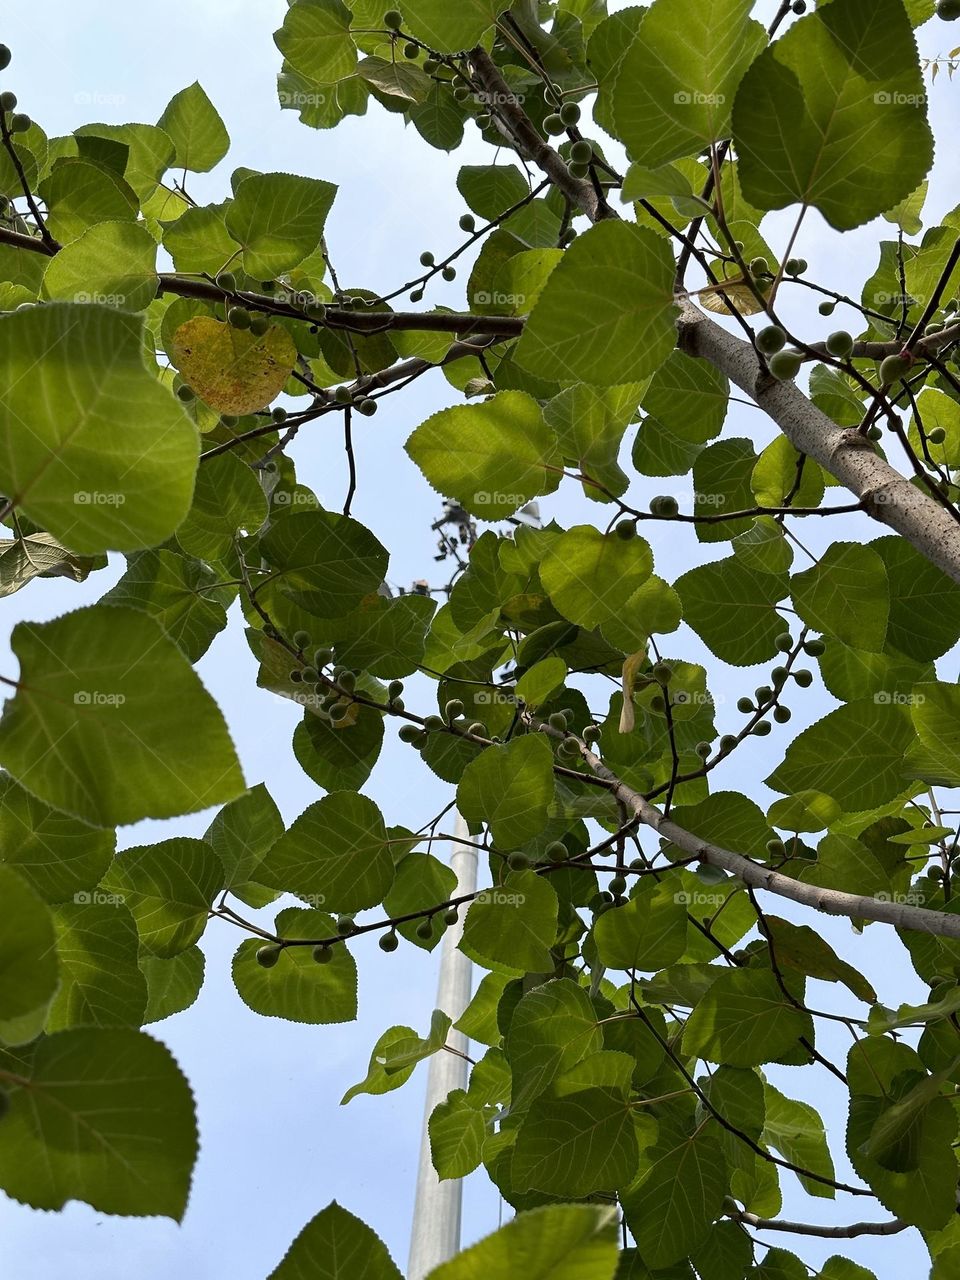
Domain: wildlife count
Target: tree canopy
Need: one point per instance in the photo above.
(653, 927)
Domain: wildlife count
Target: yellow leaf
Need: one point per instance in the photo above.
(230, 369)
(630, 668)
(738, 293)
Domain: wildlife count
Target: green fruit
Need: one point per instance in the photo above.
(343, 395)
(568, 237)
(874, 433)
(8, 101)
(784, 642)
(322, 657)
(745, 705)
(20, 123)
(703, 750)
(518, 862)
(449, 273)
(279, 414)
(578, 170)
(727, 743)
(771, 340)
(799, 6)
(427, 259)
(227, 281)
(462, 94)
(591, 733)
(323, 954)
(616, 885)
(937, 435)
(433, 724)
(785, 365)
(468, 222)
(758, 266)
(394, 689)
(763, 694)
(408, 733)
(186, 394)
(5, 56)
(454, 709)
(425, 930)
(411, 51)
(663, 672)
(763, 728)
(393, 19)
(581, 152)
(840, 344)
(948, 10)
(782, 714)
(296, 675)
(553, 125)
(259, 326)
(778, 677)
(268, 956)
(347, 681)
(557, 721)
(827, 308)
(556, 851)
(338, 712)
(301, 639)
(451, 916)
(625, 529)
(389, 941)
(477, 730)
(803, 678)
(664, 504)
(345, 925)
(484, 120)
(657, 704)
(776, 848)
(570, 114)
(238, 318)
(814, 648)
(367, 407)
(795, 266)
(416, 295)
(317, 311)
(431, 65)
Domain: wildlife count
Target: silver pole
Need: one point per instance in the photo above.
(435, 1234)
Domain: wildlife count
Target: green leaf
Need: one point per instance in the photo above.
(795, 1129)
(172, 985)
(192, 123)
(478, 1021)
(278, 219)
(590, 424)
(934, 709)
(136, 734)
(422, 881)
(730, 605)
(559, 1242)
(113, 264)
(315, 40)
(607, 314)
(776, 472)
(743, 1020)
(181, 594)
(845, 595)
(227, 499)
(199, 239)
(450, 28)
(675, 88)
(648, 932)
(297, 988)
(28, 958)
(855, 754)
(553, 1028)
(336, 1246)
(511, 928)
(101, 984)
(721, 481)
(576, 1145)
(339, 755)
(94, 475)
(833, 115)
(669, 1210)
(801, 948)
(325, 563)
(103, 1116)
(457, 1131)
(590, 576)
(924, 602)
(336, 854)
(40, 555)
(57, 854)
(169, 888)
(378, 1079)
(510, 788)
(80, 194)
(492, 457)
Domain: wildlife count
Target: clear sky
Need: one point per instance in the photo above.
(276, 1145)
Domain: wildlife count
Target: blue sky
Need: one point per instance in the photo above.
(276, 1145)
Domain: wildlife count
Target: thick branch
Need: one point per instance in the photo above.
(891, 1228)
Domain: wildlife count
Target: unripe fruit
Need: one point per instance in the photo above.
(454, 709)
(345, 924)
(782, 714)
(745, 705)
(342, 395)
(425, 930)
(451, 916)
(449, 273)
(727, 743)
(268, 956)
(394, 689)
(8, 101)
(814, 648)
(431, 65)
(840, 344)
(296, 675)
(568, 237)
(625, 529)
(763, 694)
(556, 851)
(827, 308)
(20, 123)
(259, 326)
(347, 681)
(803, 678)
(799, 6)
(758, 266)
(389, 941)
(484, 120)
(279, 414)
(427, 259)
(591, 733)
(657, 704)
(433, 724)
(301, 639)
(367, 407)
(948, 10)
(238, 318)
(317, 311)
(321, 658)
(477, 730)
(570, 114)
(323, 954)
(778, 677)
(408, 733)
(518, 861)
(5, 56)
(411, 51)
(338, 712)
(795, 266)
(785, 365)
(703, 750)
(617, 885)
(186, 394)
(416, 295)
(393, 19)
(784, 642)
(762, 728)
(553, 125)
(577, 170)
(937, 435)
(664, 504)
(771, 340)
(663, 672)
(776, 848)
(462, 94)
(468, 222)
(227, 281)
(581, 152)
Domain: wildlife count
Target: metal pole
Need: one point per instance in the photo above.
(435, 1234)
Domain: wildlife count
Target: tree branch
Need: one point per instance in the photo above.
(891, 1228)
